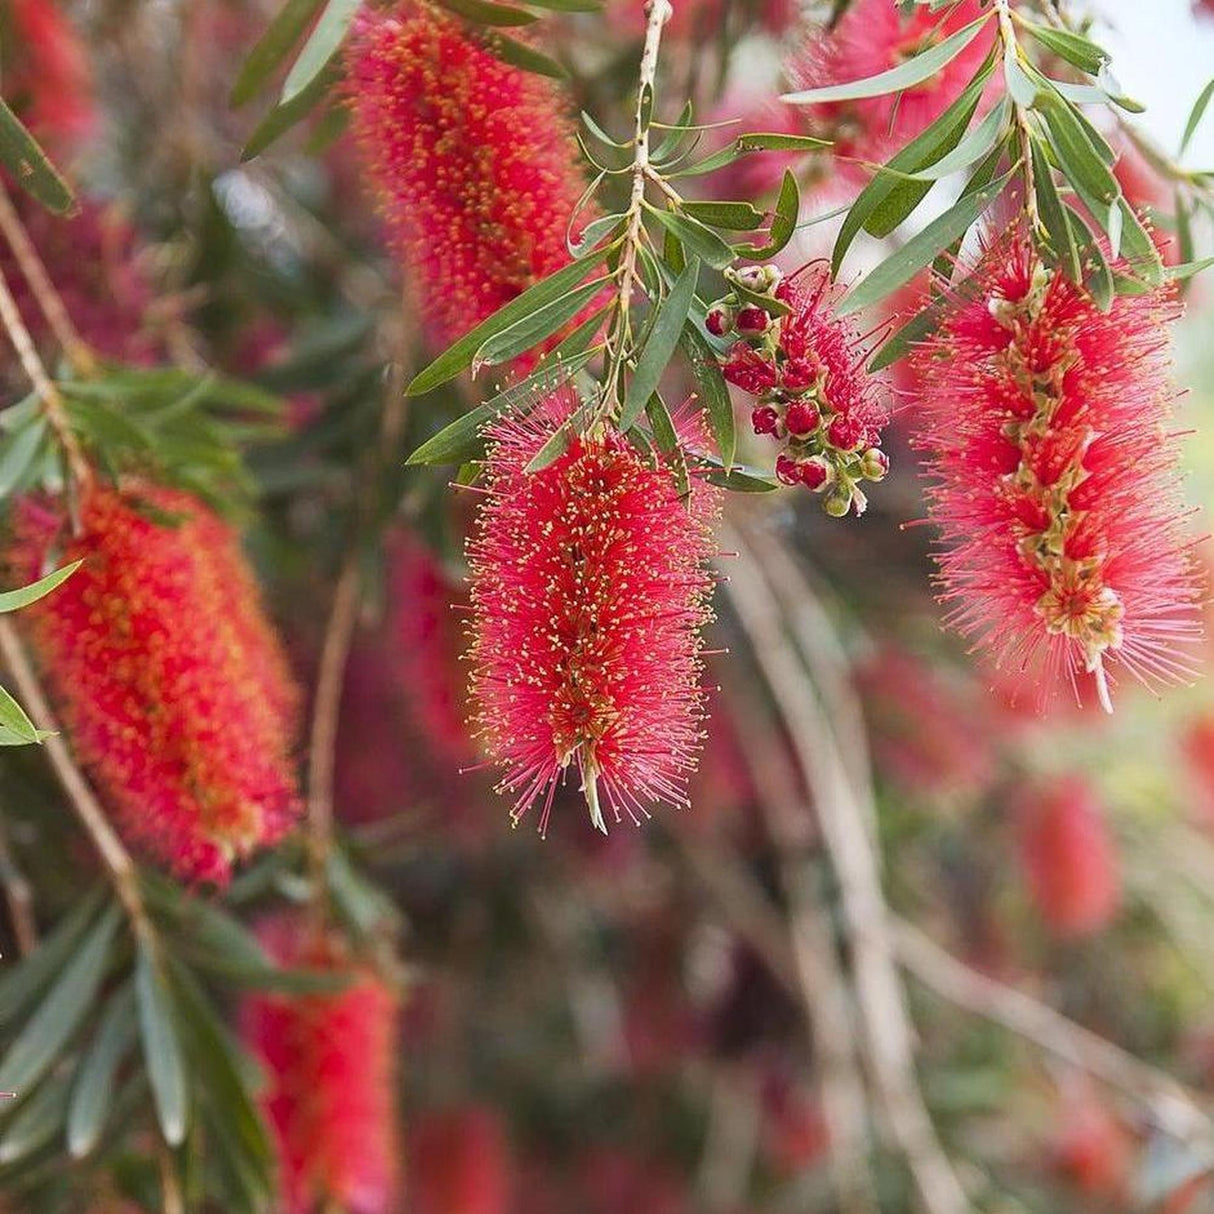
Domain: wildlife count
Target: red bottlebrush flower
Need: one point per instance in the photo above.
(1046, 426)
(931, 734)
(329, 1059)
(807, 370)
(589, 591)
(1069, 856)
(473, 159)
(91, 259)
(168, 677)
(49, 82)
(459, 1163)
(874, 36)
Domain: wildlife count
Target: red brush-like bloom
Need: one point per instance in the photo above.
(474, 161)
(91, 259)
(1069, 856)
(874, 36)
(49, 82)
(330, 1098)
(589, 591)
(459, 1164)
(806, 370)
(1046, 422)
(168, 676)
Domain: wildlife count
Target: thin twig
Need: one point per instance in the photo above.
(88, 809)
(1174, 1107)
(888, 1034)
(19, 896)
(52, 402)
(49, 299)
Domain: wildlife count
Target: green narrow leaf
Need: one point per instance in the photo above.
(901, 266)
(774, 141)
(1137, 248)
(322, 45)
(93, 1090)
(22, 983)
(569, 6)
(463, 439)
(701, 241)
(659, 349)
(458, 356)
(19, 452)
(911, 72)
(283, 32)
(741, 479)
(16, 729)
(509, 50)
(531, 330)
(485, 12)
(734, 216)
(1080, 161)
(161, 1046)
(1188, 269)
(1098, 277)
(1053, 216)
(886, 201)
(68, 1001)
(29, 165)
(976, 144)
(12, 600)
(713, 393)
(38, 1124)
(784, 222)
(920, 327)
(1078, 51)
(284, 116)
(1197, 113)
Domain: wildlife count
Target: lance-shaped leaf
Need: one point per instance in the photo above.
(712, 391)
(283, 32)
(1195, 116)
(485, 12)
(458, 357)
(1078, 51)
(744, 145)
(659, 348)
(734, 216)
(38, 1123)
(901, 266)
(322, 45)
(285, 115)
(529, 332)
(30, 166)
(1053, 216)
(93, 1090)
(976, 144)
(784, 221)
(68, 1001)
(161, 1044)
(912, 71)
(698, 239)
(12, 600)
(518, 54)
(16, 729)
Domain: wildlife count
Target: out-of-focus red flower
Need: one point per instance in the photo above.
(459, 1163)
(1198, 745)
(1069, 856)
(931, 734)
(474, 161)
(794, 1133)
(331, 1092)
(590, 590)
(1092, 1149)
(48, 80)
(1046, 425)
(874, 36)
(167, 674)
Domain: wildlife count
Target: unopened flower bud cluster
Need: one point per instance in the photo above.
(825, 449)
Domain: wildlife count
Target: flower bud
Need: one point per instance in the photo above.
(752, 320)
(765, 420)
(815, 473)
(787, 472)
(802, 418)
(844, 433)
(838, 501)
(719, 320)
(874, 464)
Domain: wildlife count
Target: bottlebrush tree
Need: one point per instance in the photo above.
(375, 426)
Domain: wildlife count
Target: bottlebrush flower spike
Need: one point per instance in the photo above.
(474, 161)
(329, 1060)
(589, 591)
(875, 36)
(805, 367)
(1069, 856)
(168, 677)
(1046, 423)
